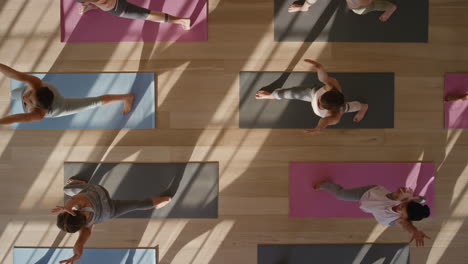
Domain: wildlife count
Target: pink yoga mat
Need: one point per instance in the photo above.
(456, 113)
(304, 202)
(100, 26)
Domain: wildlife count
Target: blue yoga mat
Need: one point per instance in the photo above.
(78, 85)
(90, 255)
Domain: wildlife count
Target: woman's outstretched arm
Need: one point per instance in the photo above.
(85, 233)
(33, 81)
(323, 123)
(35, 115)
(323, 76)
(417, 235)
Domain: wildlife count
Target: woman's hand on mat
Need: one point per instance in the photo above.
(69, 207)
(85, 8)
(419, 236)
(313, 131)
(58, 209)
(403, 193)
(314, 63)
(77, 251)
(407, 192)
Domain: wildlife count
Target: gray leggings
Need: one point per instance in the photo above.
(70, 106)
(128, 10)
(120, 207)
(354, 194)
(295, 93)
(303, 94)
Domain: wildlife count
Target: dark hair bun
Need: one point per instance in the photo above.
(417, 211)
(332, 100)
(45, 97)
(69, 223)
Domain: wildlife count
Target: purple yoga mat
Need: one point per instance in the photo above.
(456, 113)
(100, 26)
(304, 202)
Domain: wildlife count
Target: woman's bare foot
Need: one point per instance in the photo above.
(264, 95)
(387, 14)
(76, 181)
(297, 8)
(316, 186)
(301, 8)
(85, 8)
(184, 22)
(160, 202)
(361, 113)
(128, 104)
(449, 98)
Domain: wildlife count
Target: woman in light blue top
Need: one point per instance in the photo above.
(43, 100)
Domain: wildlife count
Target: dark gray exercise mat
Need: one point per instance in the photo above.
(375, 89)
(194, 186)
(333, 21)
(334, 254)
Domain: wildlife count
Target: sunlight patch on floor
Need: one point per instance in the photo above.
(214, 241)
(376, 232)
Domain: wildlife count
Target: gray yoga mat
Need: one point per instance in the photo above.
(334, 254)
(194, 186)
(375, 89)
(333, 21)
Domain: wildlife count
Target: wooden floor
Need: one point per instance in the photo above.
(197, 121)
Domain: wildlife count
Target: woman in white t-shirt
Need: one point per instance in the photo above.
(389, 208)
(327, 99)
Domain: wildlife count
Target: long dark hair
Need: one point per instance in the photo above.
(417, 211)
(45, 97)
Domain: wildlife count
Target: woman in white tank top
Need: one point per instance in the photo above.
(327, 101)
(400, 207)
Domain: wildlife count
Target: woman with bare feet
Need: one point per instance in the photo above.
(360, 7)
(42, 99)
(122, 8)
(400, 207)
(451, 98)
(327, 99)
(90, 204)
